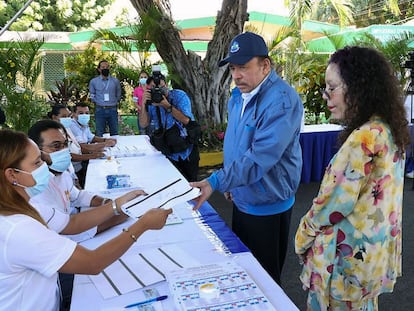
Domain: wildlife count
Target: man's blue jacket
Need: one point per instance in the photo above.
(262, 154)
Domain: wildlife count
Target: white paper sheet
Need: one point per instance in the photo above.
(136, 270)
(172, 193)
(235, 288)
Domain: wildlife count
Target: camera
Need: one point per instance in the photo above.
(409, 63)
(157, 92)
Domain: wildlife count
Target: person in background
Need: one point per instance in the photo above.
(174, 109)
(89, 142)
(262, 154)
(349, 241)
(105, 93)
(78, 154)
(137, 96)
(33, 254)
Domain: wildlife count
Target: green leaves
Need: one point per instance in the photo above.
(53, 15)
(20, 69)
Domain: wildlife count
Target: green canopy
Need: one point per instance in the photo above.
(383, 33)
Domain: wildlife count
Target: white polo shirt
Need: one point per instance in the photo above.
(31, 255)
(58, 201)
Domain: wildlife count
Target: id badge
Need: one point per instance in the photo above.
(106, 97)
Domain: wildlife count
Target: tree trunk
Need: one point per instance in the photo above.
(207, 85)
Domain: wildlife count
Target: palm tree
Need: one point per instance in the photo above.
(342, 11)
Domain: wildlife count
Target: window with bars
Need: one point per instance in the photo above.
(53, 70)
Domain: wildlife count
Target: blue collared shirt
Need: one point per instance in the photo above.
(180, 100)
(98, 87)
(82, 133)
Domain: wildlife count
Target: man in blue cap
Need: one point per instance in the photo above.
(262, 155)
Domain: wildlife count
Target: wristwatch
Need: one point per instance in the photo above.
(169, 109)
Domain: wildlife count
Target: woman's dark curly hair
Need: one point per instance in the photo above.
(372, 88)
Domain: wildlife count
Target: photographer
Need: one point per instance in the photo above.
(170, 109)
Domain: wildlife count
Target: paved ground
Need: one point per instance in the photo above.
(403, 297)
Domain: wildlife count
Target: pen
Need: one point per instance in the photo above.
(147, 301)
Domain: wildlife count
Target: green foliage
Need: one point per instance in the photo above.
(67, 93)
(361, 13)
(128, 124)
(22, 108)
(81, 67)
(395, 50)
(20, 68)
(53, 15)
(212, 136)
(310, 79)
(136, 40)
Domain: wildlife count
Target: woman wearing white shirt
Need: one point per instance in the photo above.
(31, 253)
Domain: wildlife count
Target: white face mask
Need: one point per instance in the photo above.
(84, 119)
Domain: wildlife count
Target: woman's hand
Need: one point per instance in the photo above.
(128, 197)
(155, 218)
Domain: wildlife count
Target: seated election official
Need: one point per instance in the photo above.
(61, 196)
(89, 142)
(58, 203)
(78, 153)
(32, 253)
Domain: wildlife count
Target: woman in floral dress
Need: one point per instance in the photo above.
(350, 239)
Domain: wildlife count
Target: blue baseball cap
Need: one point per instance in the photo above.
(244, 47)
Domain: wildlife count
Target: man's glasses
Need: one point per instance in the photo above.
(328, 91)
(58, 145)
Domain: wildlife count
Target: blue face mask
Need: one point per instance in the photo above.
(143, 81)
(84, 119)
(60, 160)
(41, 175)
(66, 122)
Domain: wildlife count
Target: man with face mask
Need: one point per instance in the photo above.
(61, 113)
(52, 140)
(88, 142)
(105, 93)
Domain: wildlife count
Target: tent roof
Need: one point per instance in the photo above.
(381, 32)
(195, 33)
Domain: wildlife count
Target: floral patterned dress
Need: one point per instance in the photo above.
(351, 235)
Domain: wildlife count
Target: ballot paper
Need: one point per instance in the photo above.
(235, 289)
(139, 269)
(172, 193)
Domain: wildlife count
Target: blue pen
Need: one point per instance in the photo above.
(147, 301)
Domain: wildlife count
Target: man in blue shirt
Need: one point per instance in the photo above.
(173, 109)
(262, 155)
(105, 93)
